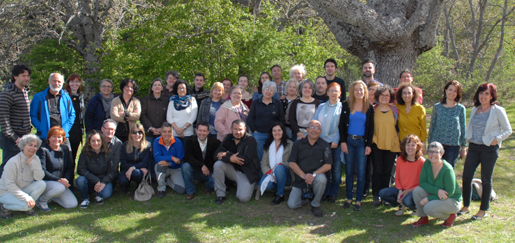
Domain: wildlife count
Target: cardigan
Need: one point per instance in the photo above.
(265, 161)
(56, 164)
(18, 175)
(344, 124)
(225, 116)
(412, 123)
(497, 126)
(445, 180)
(134, 109)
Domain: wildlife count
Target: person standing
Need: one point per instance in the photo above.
(126, 109)
(14, 107)
(99, 107)
(198, 92)
(170, 78)
(330, 67)
(153, 110)
(277, 74)
(73, 89)
(321, 90)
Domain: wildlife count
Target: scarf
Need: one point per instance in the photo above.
(106, 102)
(181, 103)
(275, 158)
(329, 121)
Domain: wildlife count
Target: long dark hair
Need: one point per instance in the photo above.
(270, 139)
(493, 92)
(87, 147)
(260, 85)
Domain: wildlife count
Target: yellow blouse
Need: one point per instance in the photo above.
(412, 123)
(385, 134)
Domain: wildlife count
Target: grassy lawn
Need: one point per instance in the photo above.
(173, 219)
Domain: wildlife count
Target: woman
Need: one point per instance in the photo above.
(385, 143)
(372, 87)
(243, 81)
(126, 109)
(263, 113)
(291, 94)
(328, 114)
(227, 82)
(182, 111)
(356, 133)
(439, 194)
(487, 128)
(298, 72)
(209, 107)
(407, 175)
(96, 169)
(448, 123)
(56, 161)
(258, 91)
(231, 110)
(302, 110)
(153, 110)
(21, 183)
(73, 88)
(274, 165)
(412, 116)
(135, 159)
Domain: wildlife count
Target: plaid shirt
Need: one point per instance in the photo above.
(281, 88)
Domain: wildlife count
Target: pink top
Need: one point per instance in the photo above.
(407, 174)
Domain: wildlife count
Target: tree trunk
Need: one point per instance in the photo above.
(393, 33)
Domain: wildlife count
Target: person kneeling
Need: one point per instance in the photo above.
(96, 169)
(238, 161)
(310, 158)
(135, 158)
(199, 160)
(168, 153)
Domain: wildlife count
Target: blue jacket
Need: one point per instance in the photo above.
(40, 118)
(95, 114)
(161, 153)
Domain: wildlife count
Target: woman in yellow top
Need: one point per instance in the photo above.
(385, 143)
(412, 115)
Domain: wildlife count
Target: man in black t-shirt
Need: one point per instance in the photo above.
(330, 67)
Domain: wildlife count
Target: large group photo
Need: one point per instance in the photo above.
(358, 142)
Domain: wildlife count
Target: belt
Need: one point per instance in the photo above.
(356, 137)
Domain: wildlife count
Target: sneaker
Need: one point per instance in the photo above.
(220, 200)
(43, 206)
(160, 194)
(5, 213)
(278, 199)
(99, 200)
(317, 211)
(401, 210)
(420, 222)
(85, 203)
(31, 212)
(376, 201)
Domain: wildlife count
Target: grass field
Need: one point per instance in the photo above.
(173, 219)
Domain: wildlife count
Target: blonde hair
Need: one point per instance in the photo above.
(352, 99)
(216, 85)
(144, 144)
(301, 68)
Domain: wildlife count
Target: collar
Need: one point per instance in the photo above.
(271, 102)
(163, 143)
(50, 94)
(200, 142)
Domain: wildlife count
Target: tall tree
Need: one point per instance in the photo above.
(393, 33)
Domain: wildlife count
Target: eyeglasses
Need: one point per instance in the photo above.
(433, 152)
(333, 91)
(137, 132)
(316, 128)
(106, 86)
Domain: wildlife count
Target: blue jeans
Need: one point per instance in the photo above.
(85, 187)
(136, 176)
(389, 194)
(260, 140)
(282, 177)
(189, 174)
(9, 150)
(451, 154)
(334, 176)
(356, 150)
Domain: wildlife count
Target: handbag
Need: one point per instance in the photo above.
(145, 190)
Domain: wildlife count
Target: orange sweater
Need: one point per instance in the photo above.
(407, 174)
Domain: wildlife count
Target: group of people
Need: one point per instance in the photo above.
(297, 133)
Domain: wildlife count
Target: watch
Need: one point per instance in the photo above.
(314, 175)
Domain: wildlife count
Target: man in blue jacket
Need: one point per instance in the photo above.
(168, 154)
(99, 107)
(52, 107)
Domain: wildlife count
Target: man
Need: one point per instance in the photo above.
(198, 90)
(321, 89)
(277, 74)
(115, 144)
(99, 107)
(168, 154)
(407, 77)
(330, 68)
(52, 107)
(199, 160)
(310, 159)
(369, 69)
(14, 107)
(237, 161)
(170, 78)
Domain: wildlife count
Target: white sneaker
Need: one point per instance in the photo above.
(85, 203)
(99, 200)
(43, 206)
(400, 212)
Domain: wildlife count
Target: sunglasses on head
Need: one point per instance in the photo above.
(137, 132)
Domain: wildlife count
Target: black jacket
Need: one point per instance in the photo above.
(56, 164)
(97, 167)
(14, 110)
(135, 158)
(153, 111)
(344, 124)
(247, 150)
(193, 153)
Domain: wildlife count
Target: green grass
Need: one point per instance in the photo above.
(173, 219)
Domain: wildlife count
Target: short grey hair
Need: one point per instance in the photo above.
(269, 84)
(28, 138)
(110, 121)
(301, 68)
(292, 80)
(437, 145)
(60, 76)
(106, 80)
(302, 85)
(236, 87)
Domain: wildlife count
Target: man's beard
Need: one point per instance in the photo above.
(367, 74)
(55, 90)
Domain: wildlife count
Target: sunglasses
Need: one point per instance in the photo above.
(137, 132)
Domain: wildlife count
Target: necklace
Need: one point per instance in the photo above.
(481, 111)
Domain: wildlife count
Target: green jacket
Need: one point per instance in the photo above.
(445, 180)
